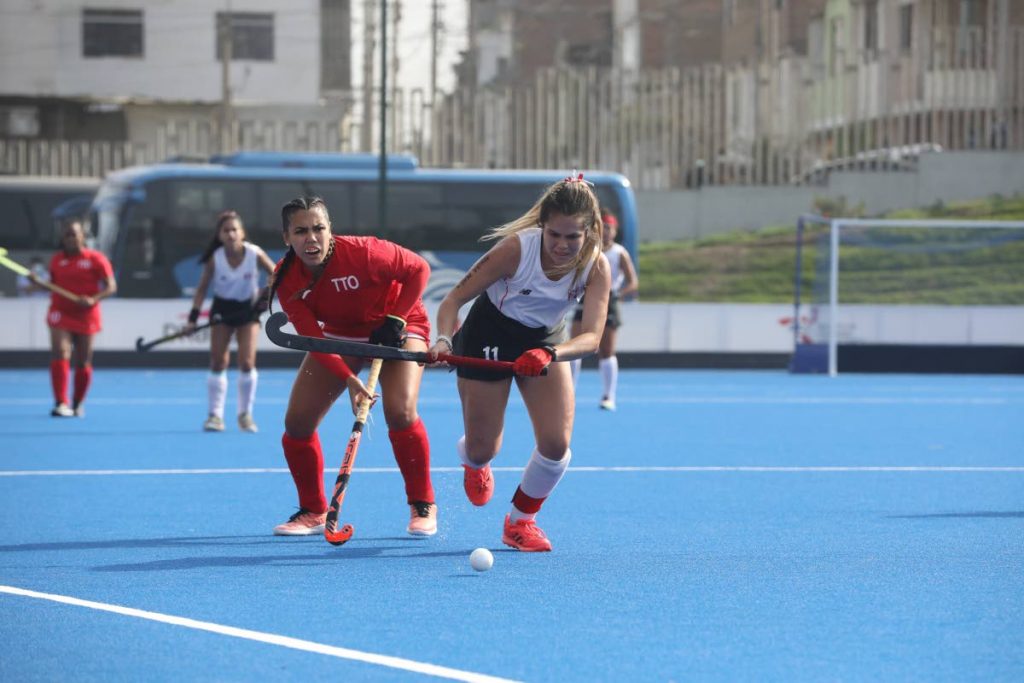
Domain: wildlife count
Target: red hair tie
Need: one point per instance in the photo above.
(577, 179)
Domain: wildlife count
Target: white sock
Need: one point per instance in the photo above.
(460, 448)
(216, 390)
(575, 365)
(247, 390)
(609, 376)
(540, 478)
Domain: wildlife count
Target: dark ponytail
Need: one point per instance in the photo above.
(215, 243)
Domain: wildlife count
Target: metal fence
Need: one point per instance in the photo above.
(788, 121)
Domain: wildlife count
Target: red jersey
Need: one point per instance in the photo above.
(365, 280)
(86, 274)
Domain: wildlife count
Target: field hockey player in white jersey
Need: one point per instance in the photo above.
(231, 265)
(624, 284)
(543, 264)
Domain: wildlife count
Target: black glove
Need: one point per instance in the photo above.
(390, 333)
(262, 302)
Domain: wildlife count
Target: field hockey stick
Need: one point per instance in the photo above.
(332, 533)
(141, 345)
(22, 270)
(344, 347)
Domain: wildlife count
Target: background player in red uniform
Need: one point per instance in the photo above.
(365, 289)
(87, 273)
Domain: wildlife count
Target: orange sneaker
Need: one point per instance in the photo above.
(302, 523)
(479, 484)
(422, 519)
(525, 535)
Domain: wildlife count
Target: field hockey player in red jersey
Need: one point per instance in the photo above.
(543, 264)
(364, 289)
(231, 266)
(73, 324)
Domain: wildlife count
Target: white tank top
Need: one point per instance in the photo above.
(530, 297)
(238, 284)
(615, 254)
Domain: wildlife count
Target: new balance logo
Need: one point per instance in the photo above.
(525, 292)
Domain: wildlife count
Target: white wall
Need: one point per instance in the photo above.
(649, 327)
(945, 176)
(41, 53)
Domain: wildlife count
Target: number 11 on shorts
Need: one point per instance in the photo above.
(491, 352)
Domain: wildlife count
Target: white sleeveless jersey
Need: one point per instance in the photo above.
(530, 297)
(615, 254)
(238, 284)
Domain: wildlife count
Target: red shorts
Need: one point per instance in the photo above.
(87, 321)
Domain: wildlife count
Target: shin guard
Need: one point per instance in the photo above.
(59, 371)
(306, 463)
(412, 453)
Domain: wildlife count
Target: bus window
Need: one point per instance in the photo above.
(265, 228)
(415, 213)
(474, 209)
(194, 204)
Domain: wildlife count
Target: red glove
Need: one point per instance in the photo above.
(533, 362)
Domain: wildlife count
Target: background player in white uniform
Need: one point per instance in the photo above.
(624, 284)
(524, 286)
(232, 265)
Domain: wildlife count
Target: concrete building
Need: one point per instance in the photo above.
(123, 70)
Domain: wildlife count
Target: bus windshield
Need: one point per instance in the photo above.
(156, 221)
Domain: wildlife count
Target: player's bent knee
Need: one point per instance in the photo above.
(554, 450)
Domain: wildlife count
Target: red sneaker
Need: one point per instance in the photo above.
(525, 535)
(302, 523)
(479, 484)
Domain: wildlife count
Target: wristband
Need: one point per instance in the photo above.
(193, 315)
(551, 349)
(446, 339)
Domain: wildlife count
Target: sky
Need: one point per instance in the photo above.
(414, 41)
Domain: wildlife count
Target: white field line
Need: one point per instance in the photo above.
(583, 468)
(268, 638)
(639, 400)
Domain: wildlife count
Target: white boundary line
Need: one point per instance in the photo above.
(634, 400)
(581, 468)
(268, 638)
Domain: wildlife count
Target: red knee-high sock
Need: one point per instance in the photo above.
(412, 453)
(306, 463)
(83, 378)
(59, 371)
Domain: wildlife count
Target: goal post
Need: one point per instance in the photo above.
(908, 295)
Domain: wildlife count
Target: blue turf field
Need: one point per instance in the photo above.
(719, 526)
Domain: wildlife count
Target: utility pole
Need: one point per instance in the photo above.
(382, 185)
(369, 51)
(226, 40)
(396, 23)
(435, 47)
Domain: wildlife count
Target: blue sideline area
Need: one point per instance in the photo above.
(717, 526)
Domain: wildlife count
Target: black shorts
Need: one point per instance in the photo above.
(614, 320)
(232, 312)
(488, 333)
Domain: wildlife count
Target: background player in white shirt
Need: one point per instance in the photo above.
(232, 266)
(624, 284)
